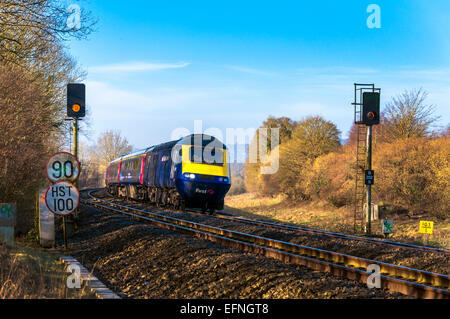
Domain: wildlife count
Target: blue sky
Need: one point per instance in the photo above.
(154, 66)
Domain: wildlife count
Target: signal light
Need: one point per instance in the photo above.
(371, 108)
(370, 115)
(76, 107)
(76, 94)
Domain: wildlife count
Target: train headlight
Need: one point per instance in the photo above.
(189, 175)
(225, 179)
(220, 179)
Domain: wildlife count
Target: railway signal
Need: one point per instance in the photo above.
(76, 104)
(76, 109)
(371, 108)
(367, 112)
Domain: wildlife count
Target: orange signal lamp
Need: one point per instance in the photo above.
(371, 115)
(76, 107)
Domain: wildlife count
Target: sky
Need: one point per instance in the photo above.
(157, 66)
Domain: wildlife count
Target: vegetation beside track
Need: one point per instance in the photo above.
(29, 272)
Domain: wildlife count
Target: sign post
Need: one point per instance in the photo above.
(46, 221)
(62, 199)
(368, 177)
(387, 227)
(426, 228)
(62, 169)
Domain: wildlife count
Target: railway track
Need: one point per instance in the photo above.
(324, 233)
(307, 230)
(408, 281)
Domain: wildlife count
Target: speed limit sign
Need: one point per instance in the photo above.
(62, 198)
(63, 166)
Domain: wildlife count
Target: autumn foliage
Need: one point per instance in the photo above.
(413, 173)
(411, 169)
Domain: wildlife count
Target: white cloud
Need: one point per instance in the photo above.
(136, 67)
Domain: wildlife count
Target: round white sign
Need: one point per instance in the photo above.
(62, 198)
(63, 166)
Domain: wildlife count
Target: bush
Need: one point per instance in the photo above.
(413, 173)
(331, 178)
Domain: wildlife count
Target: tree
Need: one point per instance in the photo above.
(315, 136)
(254, 181)
(90, 175)
(24, 132)
(111, 145)
(28, 28)
(285, 126)
(311, 138)
(95, 158)
(34, 69)
(408, 116)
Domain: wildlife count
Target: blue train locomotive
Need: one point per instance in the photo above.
(190, 172)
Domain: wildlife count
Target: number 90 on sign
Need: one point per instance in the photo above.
(63, 166)
(62, 198)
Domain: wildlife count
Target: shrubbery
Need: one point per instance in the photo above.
(411, 169)
(413, 173)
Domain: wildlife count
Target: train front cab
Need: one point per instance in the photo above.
(203, 181)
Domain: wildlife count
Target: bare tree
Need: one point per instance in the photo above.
(25, 132)
(111, 145)
(34, 70)
(29, 27)
(407, 116)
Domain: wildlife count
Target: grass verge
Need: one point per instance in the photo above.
(33, 273)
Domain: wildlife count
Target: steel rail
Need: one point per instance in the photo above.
(396, 278)
(319, 232)
(313, 231)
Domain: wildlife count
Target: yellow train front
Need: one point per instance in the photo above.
(202, 172)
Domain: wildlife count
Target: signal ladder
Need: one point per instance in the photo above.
(360, 187)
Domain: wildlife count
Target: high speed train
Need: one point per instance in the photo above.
(193, 172)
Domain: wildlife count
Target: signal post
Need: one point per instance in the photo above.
(367, 112)
(76, 109)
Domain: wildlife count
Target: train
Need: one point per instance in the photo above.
(191, 172)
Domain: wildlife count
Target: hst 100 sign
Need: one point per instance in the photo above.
(62, 198)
